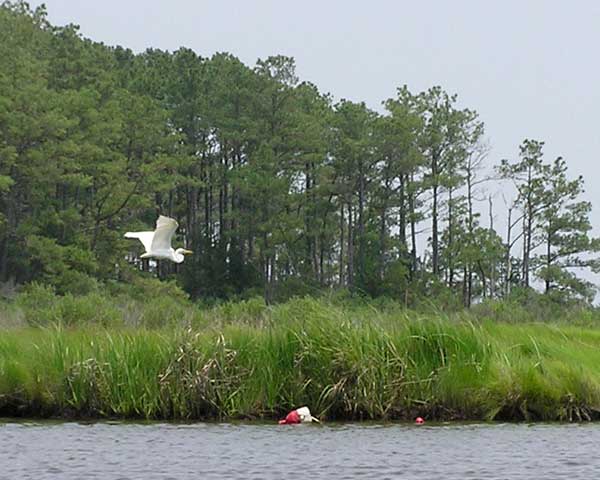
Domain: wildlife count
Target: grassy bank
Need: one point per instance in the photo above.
(345, 363)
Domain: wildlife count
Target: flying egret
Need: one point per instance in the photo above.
(158, 242)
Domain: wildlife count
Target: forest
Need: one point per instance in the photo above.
(279, 189)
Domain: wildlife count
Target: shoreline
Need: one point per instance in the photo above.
(273, 422)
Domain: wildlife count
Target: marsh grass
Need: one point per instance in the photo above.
(248, 360)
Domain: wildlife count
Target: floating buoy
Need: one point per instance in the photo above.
(300, 415)
(290, 418)
(419, 421)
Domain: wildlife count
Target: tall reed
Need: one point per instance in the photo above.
(345, 363)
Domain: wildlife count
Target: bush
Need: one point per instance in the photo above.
(69, 269)
(527, 306)
(295, 287)
(77, 283)
(161, 311)
(37, 302)
(11, 316)
(144, 287)
(251, 311)
(88, 309)
(41, 306)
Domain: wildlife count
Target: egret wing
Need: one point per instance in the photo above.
(144, 237)
(165, 229)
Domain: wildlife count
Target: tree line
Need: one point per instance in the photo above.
(278, 188)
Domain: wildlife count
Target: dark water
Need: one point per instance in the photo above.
(48, 450)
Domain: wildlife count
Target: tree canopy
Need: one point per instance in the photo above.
(279, 189)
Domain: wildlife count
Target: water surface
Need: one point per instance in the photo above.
(54, 450)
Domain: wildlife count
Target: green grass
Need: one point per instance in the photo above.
(253, 361)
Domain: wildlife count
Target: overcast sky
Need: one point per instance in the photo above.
(529, 67)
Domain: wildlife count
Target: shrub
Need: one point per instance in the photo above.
(37, 302)
(162, 311)
(41, 306)
(88, 309)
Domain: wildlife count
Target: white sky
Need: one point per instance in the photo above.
(529, 67)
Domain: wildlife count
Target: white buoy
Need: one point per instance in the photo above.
(305, 416)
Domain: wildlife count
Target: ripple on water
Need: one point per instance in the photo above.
(128, 451)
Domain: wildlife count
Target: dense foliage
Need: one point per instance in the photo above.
(278, 189)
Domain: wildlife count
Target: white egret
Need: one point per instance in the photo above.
(158, 242)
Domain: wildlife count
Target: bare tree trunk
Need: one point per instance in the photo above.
(524, 266)
(492, 260)
(383, 232)
(321, 273)
(350, 248)
(468, 268)
(434, 233)
(434, 217)
(528, 230)
(483, 279)
(508, 260)
(402, 213)
(548, 257)
(361, 224)
(11, 224)
(450, 239)
(466, 287)
(382, 246)
(4, 258)
(342, 244)
(413, 232)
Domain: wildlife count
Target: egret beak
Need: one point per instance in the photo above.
(187, 252)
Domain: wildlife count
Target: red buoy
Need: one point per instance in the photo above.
(300, 415)
(419, 421)
(290, 418)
